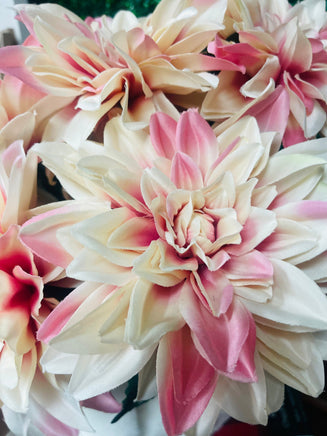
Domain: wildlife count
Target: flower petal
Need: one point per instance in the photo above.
(219, 339)
(163, 134)
(185, 381)
(303, 307)
(195, 138)
(109, 370)
(185, 174)
(153, 311)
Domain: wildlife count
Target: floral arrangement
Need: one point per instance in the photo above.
(163, 192)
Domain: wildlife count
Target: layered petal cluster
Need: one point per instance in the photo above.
(122, 61)
(27, 395)
(283, 52)
(207, 261)
(21, 287)
(22, 276)
(24, 112)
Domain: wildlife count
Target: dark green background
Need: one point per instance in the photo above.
(95, 8)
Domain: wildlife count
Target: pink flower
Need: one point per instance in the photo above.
(211, 251)
(24, 112)
(23, 307)
(123, 61)
(283, 52)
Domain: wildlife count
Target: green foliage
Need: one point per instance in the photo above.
(95, 8)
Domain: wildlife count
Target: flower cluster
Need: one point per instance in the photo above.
(187, 246)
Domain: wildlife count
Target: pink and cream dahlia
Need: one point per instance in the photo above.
(27, 397)
(210, 253)
(122, 61)
(282, 50)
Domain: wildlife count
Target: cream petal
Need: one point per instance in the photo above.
(275, 393)
(263, 82)
(129, 147)
(109, 370)
(314, 147)
(302, 306)
(289, 239)
(264, 196)
(309, 380)
(24, 123)
(240, 162)
(259, 225)
(17, 398)
(117, 235)
(109, 315)
(160, 265)
(315, 268)
(55, 362)
(312, 214)
(39, 233)
(153, 312)
(243, 200)
(295, 347)
(63, 407)
(208, 420)
(147, 385)
(78, 303)
(245, 402)
(155, 184)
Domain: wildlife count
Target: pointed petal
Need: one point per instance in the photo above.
(185, 174)
(153, 311)
(219, 339)
(61, 406)
(185, 381)
(163, 134)
(104, 402)
(62, 313)
(245, 402)
(195, 138)
(109, 370)
(259, 225)
(303, 305)
(215, 288)
(39, 233)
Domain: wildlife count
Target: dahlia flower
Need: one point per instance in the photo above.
(51, 412)
(204, 270)
(21, 292)
(283, 52)
(27, 395)
(24, 112)
(121, 60)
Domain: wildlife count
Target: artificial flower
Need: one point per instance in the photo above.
(24, 112)
(210, 252)
(283, 52)
(121, 61)
(23, 306)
